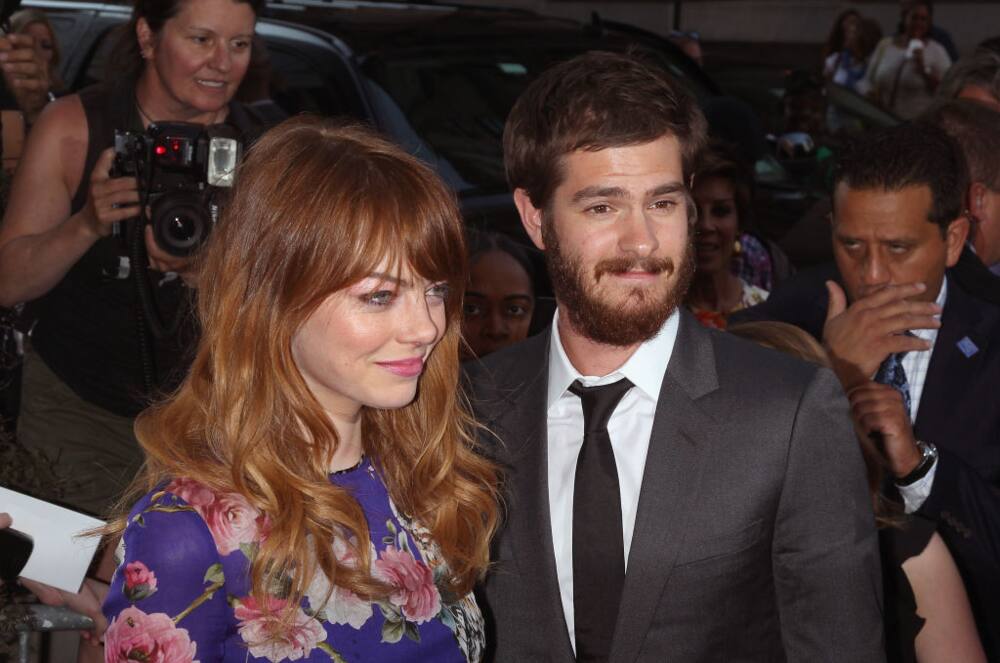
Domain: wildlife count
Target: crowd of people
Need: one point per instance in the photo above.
(371, 436)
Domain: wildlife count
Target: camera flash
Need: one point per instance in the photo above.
(222, 156)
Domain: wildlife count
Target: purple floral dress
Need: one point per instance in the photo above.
(181, 590)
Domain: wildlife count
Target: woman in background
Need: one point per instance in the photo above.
(907, 68)
(310, 490)
(722, 193)
(500, 298)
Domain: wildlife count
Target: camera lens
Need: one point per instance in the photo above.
(180, 223)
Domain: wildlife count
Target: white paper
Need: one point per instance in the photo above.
(60, 558)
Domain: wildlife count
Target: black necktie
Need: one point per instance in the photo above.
(598, 550)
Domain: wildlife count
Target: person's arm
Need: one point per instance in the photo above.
(24, 74)
(168, 595)
(967, 508)
(825, 549)
(39, 239)
(932, 62)
(949, 632)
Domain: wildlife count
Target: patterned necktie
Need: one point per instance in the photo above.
(598, 549)
(891, 373)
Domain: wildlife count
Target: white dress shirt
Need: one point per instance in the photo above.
(629, 429)
(915, 366)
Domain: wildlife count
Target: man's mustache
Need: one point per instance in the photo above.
(625, 264)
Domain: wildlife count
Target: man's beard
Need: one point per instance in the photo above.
(637, 317)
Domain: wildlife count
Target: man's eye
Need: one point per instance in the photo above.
(899, 249)
(664, 204)
(601, 208)
(241, 44)
(471, 310)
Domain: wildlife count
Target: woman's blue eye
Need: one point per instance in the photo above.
(439, 290)
(380, 298)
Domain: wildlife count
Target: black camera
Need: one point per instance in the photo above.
(182, 170)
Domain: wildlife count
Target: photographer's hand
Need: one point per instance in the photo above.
(26, 75)
(162, 261)
(111, 199)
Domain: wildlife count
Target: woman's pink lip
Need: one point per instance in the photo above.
(407, 368)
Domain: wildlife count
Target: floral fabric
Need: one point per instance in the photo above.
(181, 590)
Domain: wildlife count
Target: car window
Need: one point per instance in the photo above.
(457, 101)
(300, 85)
(96, 62)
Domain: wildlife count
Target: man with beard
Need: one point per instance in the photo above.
(673, 493)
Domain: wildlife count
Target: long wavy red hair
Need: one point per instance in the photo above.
(317, 207)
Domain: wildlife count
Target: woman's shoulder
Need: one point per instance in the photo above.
(187, 507)
(64, 117)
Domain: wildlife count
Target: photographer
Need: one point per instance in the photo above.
(93, 364)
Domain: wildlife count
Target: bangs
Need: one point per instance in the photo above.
(387, 212)
(317, 208)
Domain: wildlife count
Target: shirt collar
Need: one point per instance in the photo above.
(645, 368)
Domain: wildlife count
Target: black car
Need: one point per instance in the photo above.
(438, 79)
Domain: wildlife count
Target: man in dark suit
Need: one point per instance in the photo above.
(674, 494)
(898, 226)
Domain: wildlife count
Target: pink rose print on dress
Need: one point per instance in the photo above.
(343, 606)
(191, 491)
(233, 521)
(229, 516)
(413, 582)
(140, 582)
(136, 636)
(268, 638)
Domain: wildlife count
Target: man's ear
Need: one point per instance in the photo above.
(531, 217)
(147, 40)
(954, 239)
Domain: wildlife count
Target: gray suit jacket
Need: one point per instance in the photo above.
(754, 539)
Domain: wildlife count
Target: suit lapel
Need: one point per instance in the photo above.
(523, 426)
(951, 369)
(674, 466)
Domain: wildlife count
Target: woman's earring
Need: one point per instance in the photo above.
(737, 248)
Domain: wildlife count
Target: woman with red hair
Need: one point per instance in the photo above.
(311, 491)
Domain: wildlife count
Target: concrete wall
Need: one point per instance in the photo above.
(766, 21)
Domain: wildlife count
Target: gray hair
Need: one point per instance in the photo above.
(981, 68)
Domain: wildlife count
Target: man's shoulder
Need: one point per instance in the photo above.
(743, 362)
(495, 381)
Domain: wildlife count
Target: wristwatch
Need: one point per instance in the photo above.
(928, 456)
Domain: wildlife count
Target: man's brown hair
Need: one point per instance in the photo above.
(595, 101)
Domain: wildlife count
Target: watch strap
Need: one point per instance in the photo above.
(929, 456)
